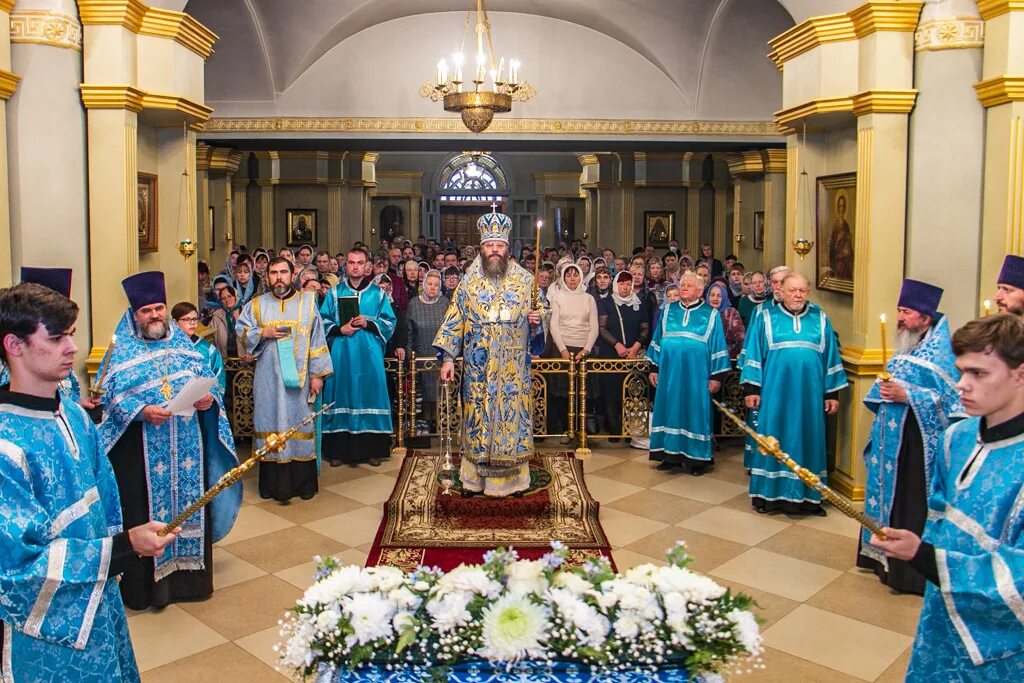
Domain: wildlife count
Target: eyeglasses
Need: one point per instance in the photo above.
(188, 320)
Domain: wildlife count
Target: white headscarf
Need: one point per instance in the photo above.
(633, 301)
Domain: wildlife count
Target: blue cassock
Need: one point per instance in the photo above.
(176, 454)
(688, 347)
(794, 359)
(750, 451)
(63, 618)
(972, 623)
(358, 386)
(213, 357)
(929, 375)
(70, 386)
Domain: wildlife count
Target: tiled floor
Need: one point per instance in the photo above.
(824, 619)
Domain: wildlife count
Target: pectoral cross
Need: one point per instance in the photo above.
(166, 390)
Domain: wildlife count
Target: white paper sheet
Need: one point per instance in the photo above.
(183, 403)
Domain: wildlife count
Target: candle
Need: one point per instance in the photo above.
(536, 249)
(501, 69)
(106, 363)
(457, 58)
(884, 374)
(987, 305)
(440, 71)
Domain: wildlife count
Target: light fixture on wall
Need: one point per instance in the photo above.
(801, 245)
(469, 96)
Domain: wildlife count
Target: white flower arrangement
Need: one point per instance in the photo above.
(509, 610)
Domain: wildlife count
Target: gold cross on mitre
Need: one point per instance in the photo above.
(494, 207)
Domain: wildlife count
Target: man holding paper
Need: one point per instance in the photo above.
(282, 329)
(165, 455)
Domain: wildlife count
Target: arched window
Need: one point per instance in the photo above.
(472, 178)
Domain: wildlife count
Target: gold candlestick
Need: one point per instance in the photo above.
(884, 374)
(448, 471)
(97, 390)
(769, 445)
(275, 443)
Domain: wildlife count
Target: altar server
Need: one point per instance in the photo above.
(911, 411)
(972, 553)
(163, 462)
(792, 374)
(61, 537)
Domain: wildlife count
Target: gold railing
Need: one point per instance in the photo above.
(408, 374)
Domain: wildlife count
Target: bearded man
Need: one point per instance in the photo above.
(163, 462)
(912, 410)
(1009, 296)
(490, 323)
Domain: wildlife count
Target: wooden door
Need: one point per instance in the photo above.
(458, 222)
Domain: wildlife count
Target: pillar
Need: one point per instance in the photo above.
(267, 231)
(693, 218)
(239, 223)
(721, 242)
(775, 166)
(8, 84)
(334, 209)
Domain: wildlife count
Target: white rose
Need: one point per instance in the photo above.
(328, 620)
(450, 611)
(421, 586)
(387, 578)
(526, 576)
(404, 598)
(575, 583)
(675, 603)
(470, 580)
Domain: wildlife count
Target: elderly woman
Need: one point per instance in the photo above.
(601, 286)
(625, 328)
(574, 331)
(426, 313)
(452, 277)
(656, 281)
(717, 297)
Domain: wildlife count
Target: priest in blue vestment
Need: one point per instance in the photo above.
(690, 359)
(163, 462)
(792, 374)
(1009, 297)
(359, 321)
(912, 410)
(62, 542)
(972, 552)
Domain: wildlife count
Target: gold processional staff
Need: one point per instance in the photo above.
(275, 443)
(769, 445)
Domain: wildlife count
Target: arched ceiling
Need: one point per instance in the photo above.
(266, 45)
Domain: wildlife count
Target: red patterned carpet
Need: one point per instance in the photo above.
(421, 525)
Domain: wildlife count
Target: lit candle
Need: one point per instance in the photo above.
(106, 363)
(457, 58)
(440, 68)
(501, 69)
(884, 374)
(494, 79)
(987, 305)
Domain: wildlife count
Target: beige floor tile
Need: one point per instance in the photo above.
(250, 492)
(261, 646)
(733, 525)
(330, 476)
(741, 503)
(253, 520)
(351, 528)
(703, 489)
(300, 576)
(245, 608)
(149, 632)
(836, 523)
(352, 556)
(780, 574)
(811, 633)
(229, 569)
(286, 548)
(627, 559)
(370, 490)
(865, 598)
(663, 507)
(820, 547)
(227, 663)
(623, 528)
(769, 608)
(779, 667)
(392, 464)
(897, 671)
(731, 470)
(708, 551)
(324, 504)
(645, 474)
(607, 490)
(598, 461)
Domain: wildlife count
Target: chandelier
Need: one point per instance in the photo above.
(471, 97)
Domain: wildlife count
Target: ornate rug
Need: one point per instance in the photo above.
(422, 525)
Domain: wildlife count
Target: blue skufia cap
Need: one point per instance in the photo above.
(921, 297)
(57, 279)
(1013, 272)
(494, 226)
(143, 289)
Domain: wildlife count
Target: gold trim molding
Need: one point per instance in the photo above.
(133, 99)
(127, 13)
(825, 105)
(43, 27)
(774, 160)
(860, 361)
(8, 84)
(623, 127)
(139, 18)
(951, 33)
(1000, 90)
(885, 16)
(884, 102)
(990, 9)
(6, 6)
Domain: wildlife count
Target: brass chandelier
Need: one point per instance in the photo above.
(472, 98)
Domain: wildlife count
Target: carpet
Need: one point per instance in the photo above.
(421, 525)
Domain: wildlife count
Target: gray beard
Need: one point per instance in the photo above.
(155, 331)
(906, 340)
(496, 268)
(281, 289)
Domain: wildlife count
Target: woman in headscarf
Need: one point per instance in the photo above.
(245, 281)
(586, 269)
(573, 333)
(625, 329)
(717, 296)
(656, 279)
(601, 286)
(426, 313)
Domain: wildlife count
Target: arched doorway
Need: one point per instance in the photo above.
(469, 185)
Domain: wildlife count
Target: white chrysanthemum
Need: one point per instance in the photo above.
(694, 587)
(525, 577)
(747, 630)
(593, 626)
(370, 616)
(386, 579)
(513, 629)
(297, 652)
(627, 626)
(675, 604)
(641, 574)
(450, 611)
(404, 598)
(328, 620)
(470, 580)
(332, 587)
(574, 583)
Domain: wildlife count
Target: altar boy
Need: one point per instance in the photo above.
(972, 553)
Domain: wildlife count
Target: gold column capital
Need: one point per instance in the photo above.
(180, 27)
(749, 162)
(587, 159)
(8, 84)
(6, 6)
(1000, 90)
(824, 105)
(809, 34)
(127, 13)
(225, 159)
(774, 160)
(884, 102)
(885, 16)
(111, 97)
(990, 9)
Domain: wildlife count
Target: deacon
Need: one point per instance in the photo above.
(972, 552)
(792, 374)
(690, 359)
(359, 322)
(163, 462)
(490, 323)
(1010, 286)
(61, 539)
(283, 330)
(912, 410)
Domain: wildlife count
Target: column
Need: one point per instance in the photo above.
(238, 213)
(693, 218)
(202, 190)
(334, 209)
(267, 231)
(775, 161)
(415, 206)
(721, 243)
(8, 84)
(628, 220)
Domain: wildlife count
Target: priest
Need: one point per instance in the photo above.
(359, 322)
(912, 410)
(1009, 296)
(490, 323)
(792, 374)
(972, 552)
(690, 359)
(283, 330)
(163, 462)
